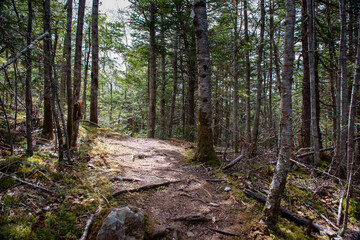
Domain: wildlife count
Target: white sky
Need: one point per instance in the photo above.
(113, 5)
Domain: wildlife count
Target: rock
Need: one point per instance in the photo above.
(227, 189)
(126, 223)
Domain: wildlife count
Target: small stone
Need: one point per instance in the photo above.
(227, 189)
(190, 234)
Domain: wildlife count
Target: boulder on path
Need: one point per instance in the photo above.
(126, 223)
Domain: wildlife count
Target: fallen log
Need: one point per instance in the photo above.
(87, 227)
(127, 179)
(233, 162)
(292, 216)
(191, 218)
(226, 233)
(146, 187)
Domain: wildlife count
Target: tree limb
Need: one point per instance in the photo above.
(87, 227)
(146, 187)
(23, 51)
(27, 183)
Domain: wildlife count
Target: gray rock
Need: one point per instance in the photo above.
(126, 223)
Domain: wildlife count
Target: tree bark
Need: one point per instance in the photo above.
(95, 63)
(311, 53)
(152, 74)
(77, 72)
(340, 150)
(48, 125)
(278, 182)
(306, 101)
(248, 75)
(84, 105)
(175, 78)
(255, 131)
(235, 78)
(28, 96)
(68, 70)
(205, 150)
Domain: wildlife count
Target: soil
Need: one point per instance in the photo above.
(211, 204)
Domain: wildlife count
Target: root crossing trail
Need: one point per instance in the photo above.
(194, 208)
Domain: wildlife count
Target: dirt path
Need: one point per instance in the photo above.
(155, 161)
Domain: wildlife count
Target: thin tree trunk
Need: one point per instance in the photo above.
(68, 70)
(341, 149)
(84, 105)
(278, 183)
(95, 63)
(205, 149)
(306, 101)
(152, 74)
(235, 79)
(48, 63)
(350, 158)
(8, 126)
(311, 52)
(255, 131)
(163, 88)
(28, 65)
(175, 80)
(77, 73)
(247, 60)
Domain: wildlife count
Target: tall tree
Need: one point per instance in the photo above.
(152, 73)
(248, 73)
(205, 150)
(312, 75)
(95, 63)
(255, 131)
(28, 95)
(278, 182)
(306, 102)
(68, 69)
(235, 76)
(77, 72)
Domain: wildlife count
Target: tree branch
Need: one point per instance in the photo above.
(23, 51)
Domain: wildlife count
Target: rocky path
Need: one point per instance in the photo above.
(195, 208)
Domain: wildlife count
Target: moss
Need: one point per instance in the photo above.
(149, 226)
(354, 209)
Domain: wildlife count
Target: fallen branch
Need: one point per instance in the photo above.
(226, 233)
(216, 180)
(27, 183)
(312, 152)
(290, 215)
(191, 218)
(127, 179)
(92, 123)
(23, 51)
(146, 187)
(87, 227)
(233, 162)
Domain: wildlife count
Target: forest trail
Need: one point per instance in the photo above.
(156, 161)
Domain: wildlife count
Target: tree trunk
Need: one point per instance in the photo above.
(350, 158)
(306, 102)
(95, 63)
(68, 70)
(311, 53)
(84, 105)
(248, 75)
(77, 73)
(236, 79)
(48, 66)
(205, 150)
(341, 149)
(48, 125)
(163, 88)
(175, 79)
(278, 183)
(255, 131)
(28, 65)
(152, 75)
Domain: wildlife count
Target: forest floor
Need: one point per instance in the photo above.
(205, 203)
